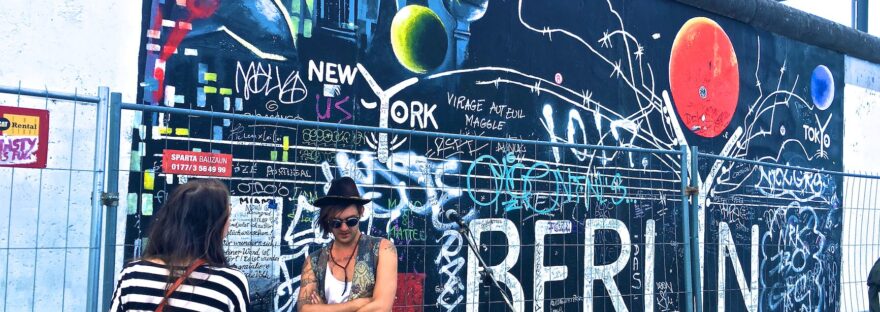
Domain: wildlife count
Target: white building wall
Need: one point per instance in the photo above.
(66, 46)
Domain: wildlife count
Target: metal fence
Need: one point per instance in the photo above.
(51, 217)
(812, 234)
(537, 197)
(860, 238)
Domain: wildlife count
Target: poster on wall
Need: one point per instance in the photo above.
(24, 134)
(253, 243)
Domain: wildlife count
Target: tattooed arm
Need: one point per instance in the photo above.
(307, 285)
(309, 301)
(386, 279)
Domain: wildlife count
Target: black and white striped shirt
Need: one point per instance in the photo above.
(142, 285)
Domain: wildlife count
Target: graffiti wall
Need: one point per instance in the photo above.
(564, 229)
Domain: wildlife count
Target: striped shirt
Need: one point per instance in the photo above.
(142, 286)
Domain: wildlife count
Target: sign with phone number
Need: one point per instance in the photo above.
(196, 163)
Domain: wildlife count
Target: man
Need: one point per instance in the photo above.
(355, 272)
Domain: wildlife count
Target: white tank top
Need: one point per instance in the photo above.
(333, 288)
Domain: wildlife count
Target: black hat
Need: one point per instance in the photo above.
(343, 191)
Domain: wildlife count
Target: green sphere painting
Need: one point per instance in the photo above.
(418, 38)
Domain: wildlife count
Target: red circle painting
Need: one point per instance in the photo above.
(704, 77)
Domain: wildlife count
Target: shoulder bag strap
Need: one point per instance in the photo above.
(192, 267)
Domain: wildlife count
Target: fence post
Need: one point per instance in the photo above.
(97, 191)
(694, 236)
(686, 230)
(111, 197)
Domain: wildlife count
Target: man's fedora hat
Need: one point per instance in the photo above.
(343, 191)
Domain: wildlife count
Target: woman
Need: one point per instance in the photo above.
(183, 267)
(355, 272)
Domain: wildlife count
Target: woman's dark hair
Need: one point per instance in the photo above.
(190, 225)
(328, 212)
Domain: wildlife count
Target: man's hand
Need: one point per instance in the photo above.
(315, 299)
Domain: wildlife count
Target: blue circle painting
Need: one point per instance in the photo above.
(822, 87)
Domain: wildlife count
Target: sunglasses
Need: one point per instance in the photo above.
(350, 222)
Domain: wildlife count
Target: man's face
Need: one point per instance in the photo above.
(345, 234)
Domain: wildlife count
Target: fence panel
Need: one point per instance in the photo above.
(772, 236)
(779, 237)
(47, 214)
(860, 245)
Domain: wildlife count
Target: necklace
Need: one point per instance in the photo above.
(344, 268)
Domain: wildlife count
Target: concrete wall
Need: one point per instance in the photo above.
(613, 74)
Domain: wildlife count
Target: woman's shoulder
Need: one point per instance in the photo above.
(228, 272)
(142, 269)
(141, 265)
(227, 277)
(137, 262)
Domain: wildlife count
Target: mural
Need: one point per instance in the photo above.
(565, 229)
